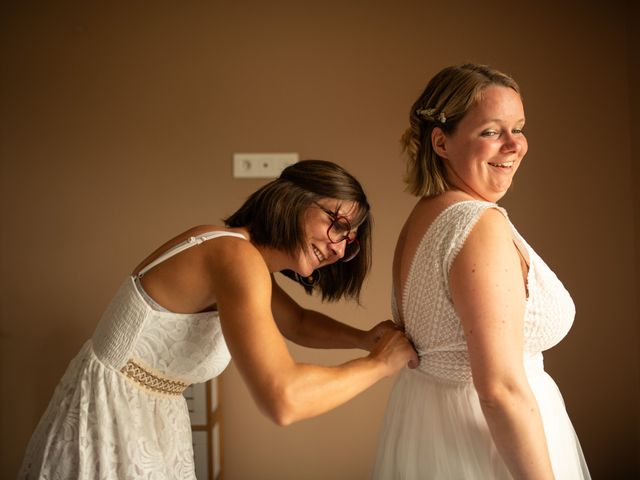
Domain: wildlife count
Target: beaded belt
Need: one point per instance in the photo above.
(153, 382)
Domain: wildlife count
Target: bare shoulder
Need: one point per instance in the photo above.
(491, 225)
(235, 263)
(192, 232)
(489, 245)
(231, 250)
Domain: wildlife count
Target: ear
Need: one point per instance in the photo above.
(439, 142)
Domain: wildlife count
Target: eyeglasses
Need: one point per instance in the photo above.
(340, 230)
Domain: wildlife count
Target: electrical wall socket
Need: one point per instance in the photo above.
(261, 165)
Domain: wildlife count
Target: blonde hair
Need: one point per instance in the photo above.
(445, 101)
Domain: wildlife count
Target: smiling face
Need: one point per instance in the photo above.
(484, 152)
(320, 251)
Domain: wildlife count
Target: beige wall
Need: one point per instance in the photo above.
(118, 122)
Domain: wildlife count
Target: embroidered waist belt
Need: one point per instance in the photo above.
(153, 382)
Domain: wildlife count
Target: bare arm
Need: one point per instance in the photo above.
(313, 329)
(489, 296)
(287, 391)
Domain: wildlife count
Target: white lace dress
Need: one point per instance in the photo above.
(434, 427)
(118, 412)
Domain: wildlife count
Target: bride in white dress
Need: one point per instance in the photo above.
(479, 304)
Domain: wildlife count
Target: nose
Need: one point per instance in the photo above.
(512, 144)
(339, 248)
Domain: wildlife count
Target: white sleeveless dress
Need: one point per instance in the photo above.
(118, 412)
(434, 427)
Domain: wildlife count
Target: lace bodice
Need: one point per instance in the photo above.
(430, 319)
(185, 347)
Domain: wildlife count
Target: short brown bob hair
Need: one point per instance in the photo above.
(274, 216)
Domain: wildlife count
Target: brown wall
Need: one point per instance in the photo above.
(633, 29)
(118, 121)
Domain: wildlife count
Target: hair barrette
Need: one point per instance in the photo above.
(429, 114)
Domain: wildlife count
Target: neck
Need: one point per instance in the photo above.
(457, 184)
(275, 260)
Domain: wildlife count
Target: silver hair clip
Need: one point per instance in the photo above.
(428, 113)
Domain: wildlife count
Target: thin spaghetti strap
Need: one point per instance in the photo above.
(188, 243)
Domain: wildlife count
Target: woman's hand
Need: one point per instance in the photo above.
(393, 347)
(371, 338)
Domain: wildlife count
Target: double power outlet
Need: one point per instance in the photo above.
(261, 165)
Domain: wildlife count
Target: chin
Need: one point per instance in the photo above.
(497, 194)
(305, 270)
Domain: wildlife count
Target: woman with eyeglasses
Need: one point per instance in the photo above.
(203, 297)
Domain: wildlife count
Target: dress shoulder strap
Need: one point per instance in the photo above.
(188, 243)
